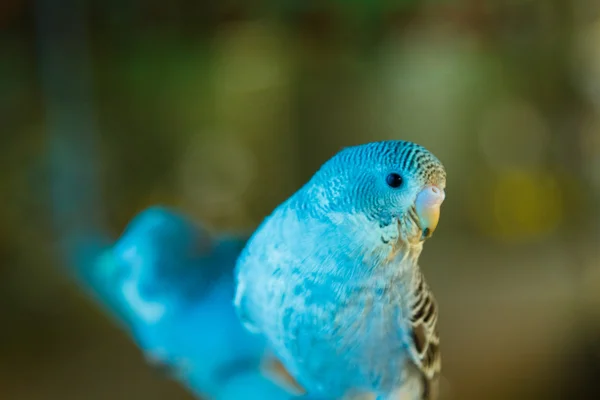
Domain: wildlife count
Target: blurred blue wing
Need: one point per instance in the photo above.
(165, 280)
(171, 285)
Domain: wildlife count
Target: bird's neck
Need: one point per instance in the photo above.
(386, 278)
(382, 251)
(402, 262)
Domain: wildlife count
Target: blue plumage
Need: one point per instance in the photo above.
(170, 284)
(331, 279)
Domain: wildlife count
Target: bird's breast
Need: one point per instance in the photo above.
(372, 323)
(357, 341)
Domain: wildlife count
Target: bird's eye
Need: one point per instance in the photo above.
(394, 180)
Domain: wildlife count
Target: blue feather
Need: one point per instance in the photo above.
(197, 336)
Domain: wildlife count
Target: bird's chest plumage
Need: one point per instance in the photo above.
(350, 334)
(331, 299)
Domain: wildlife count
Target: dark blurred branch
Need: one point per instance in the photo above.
(65, 76)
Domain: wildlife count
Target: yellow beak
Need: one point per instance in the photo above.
(427, 205)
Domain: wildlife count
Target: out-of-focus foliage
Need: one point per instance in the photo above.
(225, 108)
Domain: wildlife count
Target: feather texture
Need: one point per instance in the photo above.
(426, 339)
(331, 278)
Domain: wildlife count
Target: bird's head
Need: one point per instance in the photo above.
(389, 182)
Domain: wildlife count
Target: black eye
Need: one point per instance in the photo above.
(394, 180)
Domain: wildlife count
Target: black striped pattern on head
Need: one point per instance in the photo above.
(406, 155)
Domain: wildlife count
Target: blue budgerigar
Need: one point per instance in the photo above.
(331, 278)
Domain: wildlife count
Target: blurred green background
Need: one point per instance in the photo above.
(225, 108)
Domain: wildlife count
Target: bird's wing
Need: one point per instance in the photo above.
(426, 350)
(165, 254)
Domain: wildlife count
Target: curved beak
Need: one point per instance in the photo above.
(427, 206)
